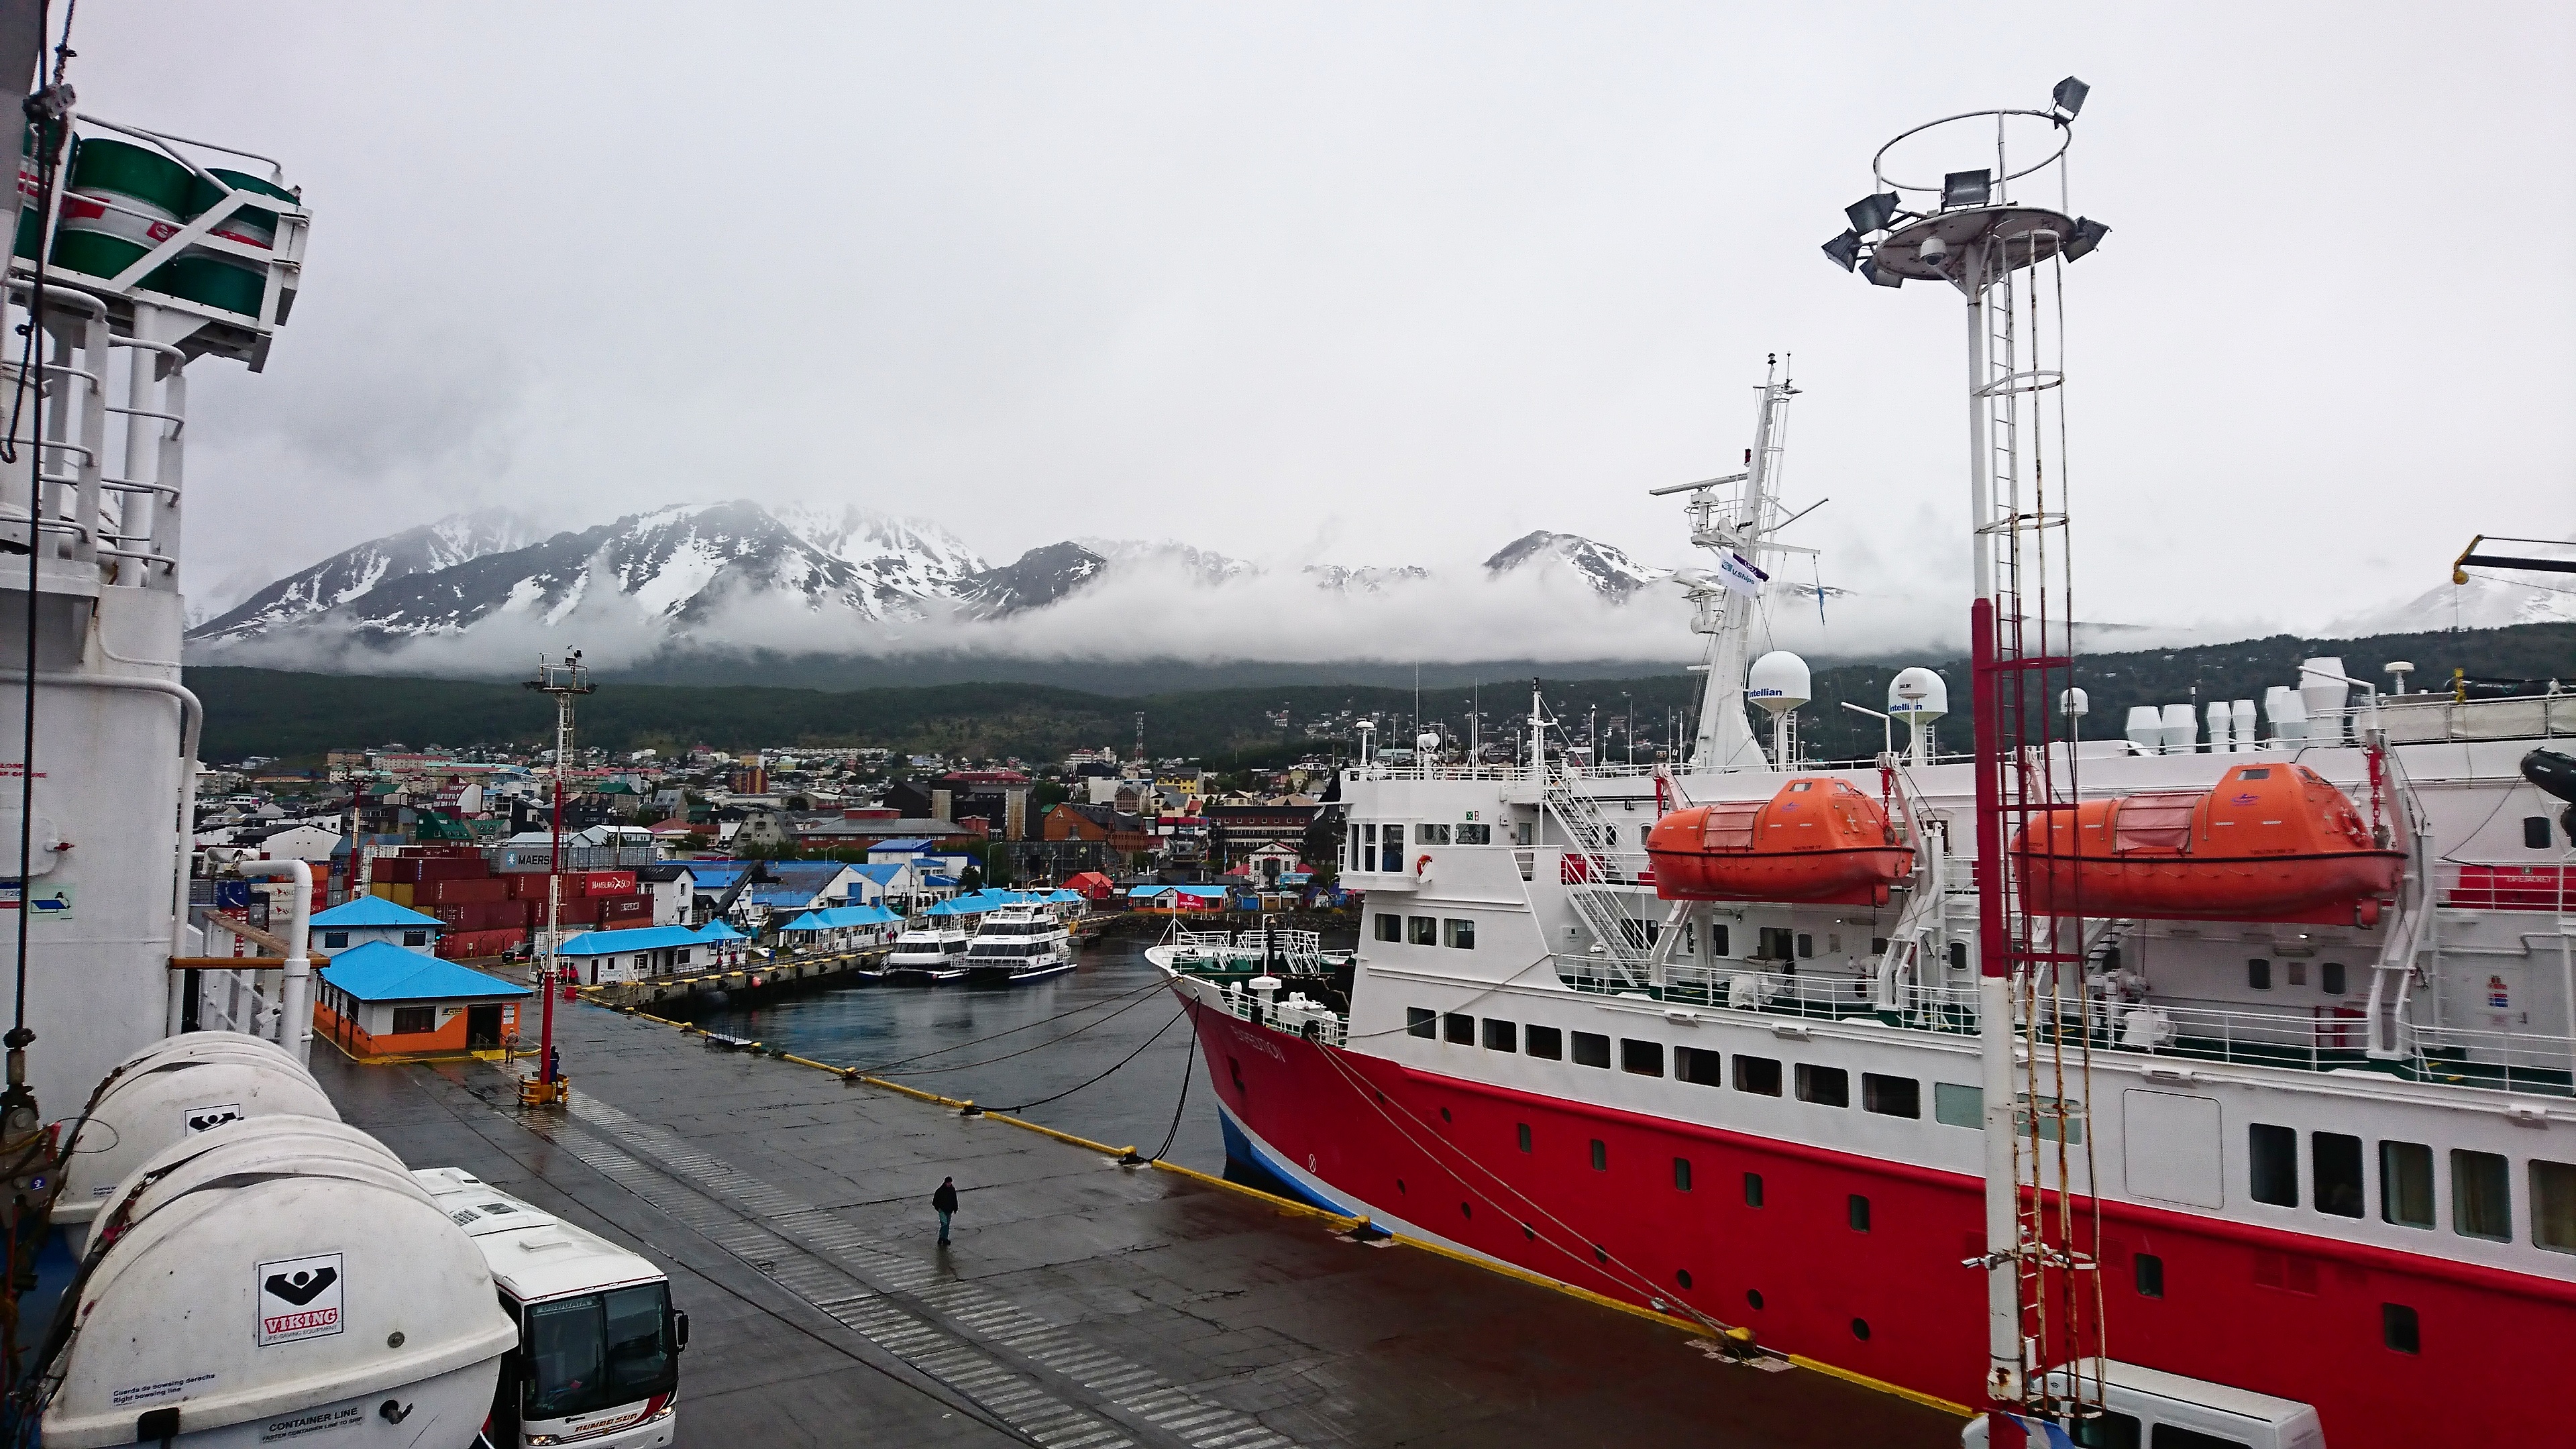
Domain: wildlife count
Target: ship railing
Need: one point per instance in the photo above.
(1296, 1014)
(2322, 1040)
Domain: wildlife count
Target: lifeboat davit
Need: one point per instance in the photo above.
(2272, 842)
(1817, 841)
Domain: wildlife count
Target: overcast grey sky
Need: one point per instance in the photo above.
(1379, 283)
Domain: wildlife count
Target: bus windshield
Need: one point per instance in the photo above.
(599, 1351)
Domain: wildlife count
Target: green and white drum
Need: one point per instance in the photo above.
(221, 279)
(124, 200)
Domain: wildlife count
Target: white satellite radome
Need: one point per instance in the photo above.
(1427, 742)
(1779, 682)
(1918, 696)
(2074, 703)
(1918, 693)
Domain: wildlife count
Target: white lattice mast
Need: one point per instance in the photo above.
(2006, 257)
(1735, 526)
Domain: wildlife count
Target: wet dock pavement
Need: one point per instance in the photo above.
(1083, 1305)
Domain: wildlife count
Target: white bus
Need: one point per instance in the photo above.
(598, 1361)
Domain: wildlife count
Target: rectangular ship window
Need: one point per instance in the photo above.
(1752, 1185)
(1591, 1049)
(1717, 938)
(1681, 1174)
(1891, 1096)
(1461, 934)
(1644, 1058)
(1859, 1209)
(1600, 1155)
(1422, 930)
(2334, 1165)
(1524, 1135)
(2258, 974)
(1955, 1105)
(1422, 1022)
(1389, 928)
(2481, 1195)
(1699, 1066)
(2406, 1184)
(1545, 1042)
(2553, 1205)
(1431, 835)
(1475, 835)
(2272, 1164)
(1758, 1075)
(1824, 1086)
(2151, 1275)
(1459, 1028)
(1499, 1034)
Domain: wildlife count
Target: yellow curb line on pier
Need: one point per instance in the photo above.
(1288, 1206)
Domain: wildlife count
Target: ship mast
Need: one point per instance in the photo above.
(2007, 259)
(1736, 528)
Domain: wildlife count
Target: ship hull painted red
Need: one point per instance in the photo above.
(2280, 1313)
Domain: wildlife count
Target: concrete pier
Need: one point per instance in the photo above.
(1083, 1305)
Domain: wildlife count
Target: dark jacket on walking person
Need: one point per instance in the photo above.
(944, 1202)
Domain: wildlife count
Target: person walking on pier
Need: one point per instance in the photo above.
(944, 1202)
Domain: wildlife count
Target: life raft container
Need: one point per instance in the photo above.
(1817, 841)
(2269, 842)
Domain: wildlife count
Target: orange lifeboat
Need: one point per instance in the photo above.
(2271, 842)
(1817, 841)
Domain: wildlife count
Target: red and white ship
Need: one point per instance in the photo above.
(2269, 1139)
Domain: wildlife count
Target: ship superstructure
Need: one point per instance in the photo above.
(2278, 1111)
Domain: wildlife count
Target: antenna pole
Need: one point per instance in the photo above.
(566, 682)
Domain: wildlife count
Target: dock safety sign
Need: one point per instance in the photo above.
(299, 1298)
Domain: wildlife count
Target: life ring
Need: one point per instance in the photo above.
(1421, 863)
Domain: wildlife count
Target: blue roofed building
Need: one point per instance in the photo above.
(383, 1000)
(362, 920)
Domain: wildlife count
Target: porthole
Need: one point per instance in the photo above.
(1444, 1114)
(1399, 1184)
(1753, 1299)
(1860, 1329)
(1682, 1277)
(1466, 1211)
(1600, 1253)
(1529, 1232)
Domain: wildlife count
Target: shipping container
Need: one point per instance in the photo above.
(455, 891)
(398, 892)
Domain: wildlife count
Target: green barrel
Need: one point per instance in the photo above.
(123, 201)
(220, 279)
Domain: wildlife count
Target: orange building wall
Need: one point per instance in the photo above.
(448, 1040)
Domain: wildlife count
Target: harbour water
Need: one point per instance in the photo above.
(1003, 1046)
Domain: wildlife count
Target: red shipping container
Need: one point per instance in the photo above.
(627, 925)
(455, 892)
(609, 883)
(452, 917)
(395, 870)
(453, 867)
(527, 885)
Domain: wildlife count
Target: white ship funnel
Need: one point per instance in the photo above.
(2242, 712)
(2289, 715)
(2181, 730)
(2222, 735)
(2146, 729)
(2323, 692)
(325, 1294)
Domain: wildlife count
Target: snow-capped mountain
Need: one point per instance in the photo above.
(351, 574)
(1609, 571)
(1205, 565)
(2485, 602)
(1036, 579)
(779, 578)
(1367, 579)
